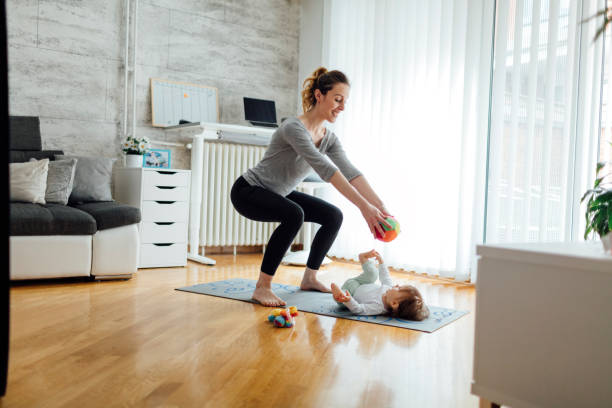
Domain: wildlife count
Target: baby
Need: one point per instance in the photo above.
(363, 297)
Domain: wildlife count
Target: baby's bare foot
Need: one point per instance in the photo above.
(313, 284)
(266, 297)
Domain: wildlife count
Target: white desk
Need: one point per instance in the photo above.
(543, 330)
(200, 131)
(301, 257)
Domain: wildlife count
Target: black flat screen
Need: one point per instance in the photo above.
(259, 111)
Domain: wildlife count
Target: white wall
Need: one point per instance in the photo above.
(311, 42)
(66, 56)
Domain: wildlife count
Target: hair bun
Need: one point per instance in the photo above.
(320, 79)
(319, 71)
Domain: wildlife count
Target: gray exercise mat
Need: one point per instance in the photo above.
(321, 303)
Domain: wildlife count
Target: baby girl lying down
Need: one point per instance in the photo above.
(364, 297)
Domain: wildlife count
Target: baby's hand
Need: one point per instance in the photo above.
(338, 295)
(364, 256)
(378, 258)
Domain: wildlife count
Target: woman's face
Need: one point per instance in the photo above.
(333, 102)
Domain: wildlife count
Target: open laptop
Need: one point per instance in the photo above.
(260, 112)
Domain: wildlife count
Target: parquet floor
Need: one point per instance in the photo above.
(141, 343)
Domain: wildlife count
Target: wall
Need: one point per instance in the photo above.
(311, 41)
(66, 57)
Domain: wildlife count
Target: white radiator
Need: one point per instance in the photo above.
(220, 223)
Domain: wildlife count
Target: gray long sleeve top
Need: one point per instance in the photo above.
(292, 154)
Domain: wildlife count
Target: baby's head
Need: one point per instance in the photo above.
(406, 302)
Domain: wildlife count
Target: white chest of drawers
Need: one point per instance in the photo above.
(163, 198)
(542, 329)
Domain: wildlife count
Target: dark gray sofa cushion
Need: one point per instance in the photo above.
(110, 214)
(49, 219)
(20, 156)
(25, 133)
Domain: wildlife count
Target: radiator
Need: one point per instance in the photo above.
(220, 223)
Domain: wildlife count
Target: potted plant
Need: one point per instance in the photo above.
(599, 208)
(134, 148)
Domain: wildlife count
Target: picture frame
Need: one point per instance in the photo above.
(156, 158)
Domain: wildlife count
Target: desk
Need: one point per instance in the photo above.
(543, 329)
(199, 132)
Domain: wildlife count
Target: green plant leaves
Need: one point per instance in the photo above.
(598, 212)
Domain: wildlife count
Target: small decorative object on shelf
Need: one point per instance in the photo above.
(599, 208)
(157, 158)
(134, 149)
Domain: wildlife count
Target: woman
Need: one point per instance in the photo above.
(266, 191)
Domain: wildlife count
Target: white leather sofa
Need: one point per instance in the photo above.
(98, 239)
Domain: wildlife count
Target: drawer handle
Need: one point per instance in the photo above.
(164, 244)
(166, 187)
(164, 223)
(165, 202)
(166, 172)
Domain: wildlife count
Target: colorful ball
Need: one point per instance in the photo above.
(279, 321)
(293, 310)
(389, 234)
(271, 318)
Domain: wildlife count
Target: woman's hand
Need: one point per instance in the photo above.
(338, 295)
(373, 217)
(384, 210)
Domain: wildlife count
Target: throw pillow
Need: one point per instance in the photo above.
(92, 178)
(29, 181)
(60, 179)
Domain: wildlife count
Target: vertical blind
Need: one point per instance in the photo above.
(605, 140)
(415, 124)
(544, 119)
(462, 146)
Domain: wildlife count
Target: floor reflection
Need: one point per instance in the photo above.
(149, 344)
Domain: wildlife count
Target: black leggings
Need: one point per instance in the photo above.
(259, 204)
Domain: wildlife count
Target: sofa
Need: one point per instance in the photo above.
(98, 239)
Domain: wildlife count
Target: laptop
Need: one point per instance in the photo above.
(260, 112)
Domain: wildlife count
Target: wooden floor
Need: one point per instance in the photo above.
(141, 343)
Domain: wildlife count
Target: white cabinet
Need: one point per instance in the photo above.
(163, 198)
(543, 329)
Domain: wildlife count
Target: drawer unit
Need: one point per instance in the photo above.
(151, 232)
(163, 198)
(165, 193)
(177, 211)
(163, 254)
(165, 178)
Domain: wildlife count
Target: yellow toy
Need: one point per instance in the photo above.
(283, 317)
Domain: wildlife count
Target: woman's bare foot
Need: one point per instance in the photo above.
(310, 282)
(265, 297)
(263, 292)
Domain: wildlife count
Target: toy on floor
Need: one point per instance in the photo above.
(283, 317)
(389, 233)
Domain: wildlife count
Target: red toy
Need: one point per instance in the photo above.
(389, 233)
(283, 317)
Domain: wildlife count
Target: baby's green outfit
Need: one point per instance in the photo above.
(366, 295)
